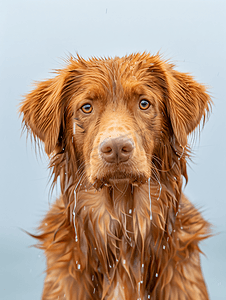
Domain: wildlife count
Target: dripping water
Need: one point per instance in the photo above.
(75, 196)
(76, 233)
(149, 195)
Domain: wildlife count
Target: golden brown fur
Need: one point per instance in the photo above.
(101, 238)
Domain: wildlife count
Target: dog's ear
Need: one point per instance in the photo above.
(43, 110)
(188, 102)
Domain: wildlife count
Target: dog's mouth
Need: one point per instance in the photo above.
(120, 178)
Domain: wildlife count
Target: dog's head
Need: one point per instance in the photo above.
(108, 120)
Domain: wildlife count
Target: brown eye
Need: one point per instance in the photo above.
(144, 104)
(87, 108)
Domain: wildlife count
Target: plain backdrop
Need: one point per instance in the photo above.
(35, 37)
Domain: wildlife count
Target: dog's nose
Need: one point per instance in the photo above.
(117, 150)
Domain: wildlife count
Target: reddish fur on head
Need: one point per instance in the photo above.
(105, 203)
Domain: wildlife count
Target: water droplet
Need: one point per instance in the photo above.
(182, 227)
(79, 266)
(156, 275)
(84, 208)
(142, 269)
(94, 291)
(160, 190)
(164, 247)
(46, 224)
(124, 261)
(92, 277)
(149, 297)
(130, 211)
(167, 239)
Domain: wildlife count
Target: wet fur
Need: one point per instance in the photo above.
(100, 238)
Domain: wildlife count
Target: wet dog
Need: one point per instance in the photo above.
(116, 131)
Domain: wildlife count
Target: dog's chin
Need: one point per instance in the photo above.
(119, 178)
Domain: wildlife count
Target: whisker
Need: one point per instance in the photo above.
(80, 167)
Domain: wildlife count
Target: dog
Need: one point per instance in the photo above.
(116, 133)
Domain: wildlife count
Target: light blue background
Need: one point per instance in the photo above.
(35, 36)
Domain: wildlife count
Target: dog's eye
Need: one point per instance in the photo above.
(87, 108)
(144, 104)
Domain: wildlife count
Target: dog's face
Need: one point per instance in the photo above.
(119, 116)
(117, 121)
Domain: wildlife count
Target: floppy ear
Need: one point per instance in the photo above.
(188, 103)
(42, 111)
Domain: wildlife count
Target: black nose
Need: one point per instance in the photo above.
(117, 150)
